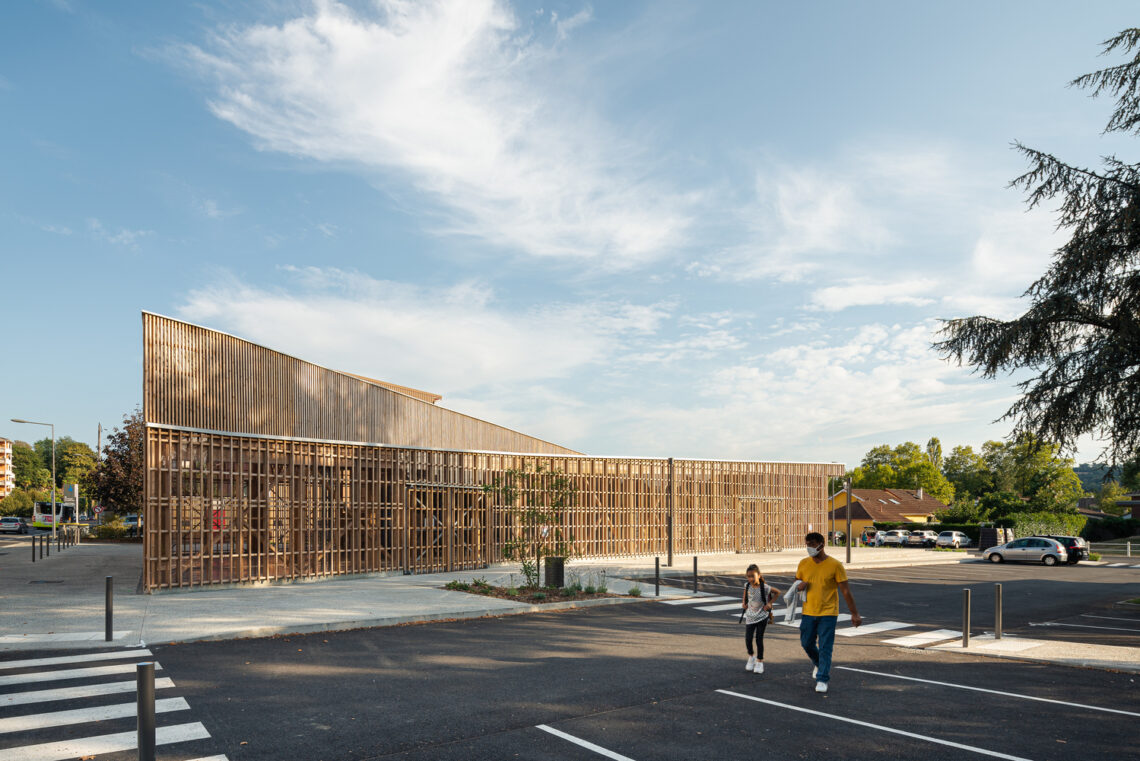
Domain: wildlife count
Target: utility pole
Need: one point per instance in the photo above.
(848, 486)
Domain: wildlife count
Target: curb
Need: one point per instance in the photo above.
(377, 623)
(1073, 663)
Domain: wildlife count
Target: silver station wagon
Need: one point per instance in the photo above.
(1032, 549)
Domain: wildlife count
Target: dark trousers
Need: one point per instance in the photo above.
(755, 630)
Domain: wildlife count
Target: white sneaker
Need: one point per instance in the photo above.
(814, 671)
(751, 663)
(759, 667)
(821, 686)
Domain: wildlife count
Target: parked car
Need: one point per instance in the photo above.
(921, 538)
(1077, 547)
(953, 539)
(13, 525)
(896, 537)
(1031, 549)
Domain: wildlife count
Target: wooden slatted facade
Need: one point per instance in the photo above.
(262, 467)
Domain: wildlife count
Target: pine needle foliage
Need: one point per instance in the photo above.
(1080, 336)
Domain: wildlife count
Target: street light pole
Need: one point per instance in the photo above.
(54, 514)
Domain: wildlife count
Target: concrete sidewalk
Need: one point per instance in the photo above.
(59, 602)
(1081, 655)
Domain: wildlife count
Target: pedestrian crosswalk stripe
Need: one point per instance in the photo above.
(1135, 566)
(100, 744)
(59, 661)
(10, 639)
(923, 638)
(796, 623)
(729, 606)
(876, 628)
(84, 715)
(73, 693)
(55, 676)
(690, 600)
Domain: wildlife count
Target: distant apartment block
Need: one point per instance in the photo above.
(7, 474)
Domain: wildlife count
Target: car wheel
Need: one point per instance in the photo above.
(1049, 560)
(996, 558)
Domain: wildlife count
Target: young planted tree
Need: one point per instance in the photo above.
(536, 501)
(1080, 336)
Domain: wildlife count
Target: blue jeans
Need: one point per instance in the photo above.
(823, 629)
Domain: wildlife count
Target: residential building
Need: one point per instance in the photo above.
(7, 473)
(884, 505)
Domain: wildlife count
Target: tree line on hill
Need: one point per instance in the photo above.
(114, 480)
(1021, 479)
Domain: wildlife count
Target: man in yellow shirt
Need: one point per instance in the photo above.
(822, 577)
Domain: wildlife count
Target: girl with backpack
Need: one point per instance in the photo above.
(757, 609)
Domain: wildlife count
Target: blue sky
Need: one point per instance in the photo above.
(655, 228)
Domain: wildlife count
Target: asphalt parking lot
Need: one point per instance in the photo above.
(640, 681)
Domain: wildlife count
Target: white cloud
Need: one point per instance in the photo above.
(212, 209)
(444, 339)
(462, 101)
(866, 292)
(124, 237)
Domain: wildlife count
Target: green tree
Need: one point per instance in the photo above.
(28, 468)
(1130, 474)
(906, 466)
(118, 479)
(19, 503)
(1080, 336)
(1109, 494)
(1000, 504)
(934, 452)
(74, 460)
(968, 472)
(1033, 470)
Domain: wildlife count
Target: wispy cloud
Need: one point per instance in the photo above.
(461, 100)
(123, 237)
(444, 338)
(867, 292)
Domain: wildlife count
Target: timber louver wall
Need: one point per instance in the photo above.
(231, 505)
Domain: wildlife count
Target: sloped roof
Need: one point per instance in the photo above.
(888, 505)
(423, 396)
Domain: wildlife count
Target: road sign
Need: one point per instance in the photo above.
(98, 509)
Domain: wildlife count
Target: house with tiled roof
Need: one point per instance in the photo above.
(1131, 504)
(889, 505)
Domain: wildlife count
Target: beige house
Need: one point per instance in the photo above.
(891, 505)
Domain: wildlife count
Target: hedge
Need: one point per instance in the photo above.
(1101, 529)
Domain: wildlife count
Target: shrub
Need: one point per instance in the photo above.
(591, 589)
(602, 589)
(457, 586)
(1100, 529)
(635, 591)
(513, 591)
(1094, 556)
(113, 530)
(538, 596)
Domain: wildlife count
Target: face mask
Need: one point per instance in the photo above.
(812, 551)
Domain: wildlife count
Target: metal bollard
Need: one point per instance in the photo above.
(33, 548)
(47, 540)
(146, 726)
(997, 611)
(41, 547)
(657, 577)
(109, 611)
(965, 618)
(1128, 549)
(694, 574)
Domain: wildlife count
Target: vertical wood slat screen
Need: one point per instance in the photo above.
(238, 509)
(195, 377)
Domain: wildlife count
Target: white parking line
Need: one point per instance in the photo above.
(691, 600)
(1117, 565)
(992, 692)
(219, 757)
(880, 727)
(55, 676)
(102, 656)
(588, 745)
(84, 715)
(881, 626)
(923, 638)
(1110, 618)
(72, 693)
(93, 746)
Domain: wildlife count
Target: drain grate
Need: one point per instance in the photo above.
(46, 581)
